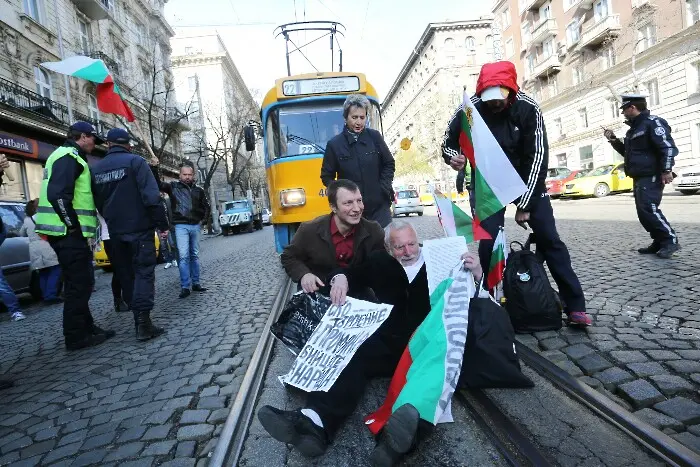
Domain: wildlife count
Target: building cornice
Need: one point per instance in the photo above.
(423, 42)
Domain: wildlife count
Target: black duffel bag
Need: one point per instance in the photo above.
(490, 360)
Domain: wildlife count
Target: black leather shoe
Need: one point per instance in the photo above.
(108, 333)
(145, 329)
(89, 341)
(650, 250)
(397, 438)
(198, 288)
(6, 384)
(184, 293)
(295, 428)
(667, 251)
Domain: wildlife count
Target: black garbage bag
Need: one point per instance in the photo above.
(490, 360)
(299, 319)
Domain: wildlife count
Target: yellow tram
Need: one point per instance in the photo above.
(299, 115)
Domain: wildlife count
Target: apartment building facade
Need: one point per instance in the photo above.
(577, 56)
(429, 87)
(36, 106)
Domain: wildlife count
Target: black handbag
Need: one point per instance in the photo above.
(299, 319)
(490, 360)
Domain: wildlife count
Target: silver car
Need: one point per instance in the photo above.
(407, 202)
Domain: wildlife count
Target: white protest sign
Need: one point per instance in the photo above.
(334, 342)
(441, 257)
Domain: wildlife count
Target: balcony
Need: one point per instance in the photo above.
(526, 5)
(24, 100)
(177, 119)
(112, 66)
(595, 34)
(546, 67)
(94, 9)
(642, 4)
(543, 31)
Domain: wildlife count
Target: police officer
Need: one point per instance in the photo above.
(649, 153)
(66, 215)
(127, 196)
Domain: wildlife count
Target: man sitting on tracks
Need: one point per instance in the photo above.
(398, 276)
(337, 240)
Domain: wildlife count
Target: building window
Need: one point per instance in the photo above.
(546, 12)
(530, 63)
(561, 160)
(601, 10)
(141, 36)
(693, 11)
(558, 130)
(573, 33)
(450, 43)
(34, 9)
(189, 50)
(548, 48)
(694, 81)
(93, 111)
(585, 154)
(505, 17)
(525, 32)
(653, 90)
(697, 139)
(613, 109)
(488, 45)
(470, 44)
(577, 75)
(121, 60)
(147, 83)
(85, 42)
(608, 59)
(569, 3)
(646, 37)
(43, 83)
(552, 86)
(509, 47)
(583, 118)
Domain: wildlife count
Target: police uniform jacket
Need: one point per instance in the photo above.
(126, 193)
(60, 190)
(648, 147)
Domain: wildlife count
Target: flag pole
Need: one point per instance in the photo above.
(145, 141)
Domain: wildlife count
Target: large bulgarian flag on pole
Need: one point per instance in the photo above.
(108, 95)
(496, 183)
(456, 222)
(497, 266)
(427, 374)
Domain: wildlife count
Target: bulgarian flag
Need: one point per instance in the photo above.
(457, 222)
(496, 183)
(427, 374)
(108, 95)
(497, 265)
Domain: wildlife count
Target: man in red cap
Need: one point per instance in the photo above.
(516, 122)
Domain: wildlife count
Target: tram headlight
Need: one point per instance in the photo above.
(293, 197)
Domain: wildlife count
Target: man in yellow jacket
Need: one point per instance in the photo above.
(67, 216)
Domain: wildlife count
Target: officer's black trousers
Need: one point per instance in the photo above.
(647, 198)
(116, 285)
(75, 258)
(380, 214)
(548, 242)
(134, 263)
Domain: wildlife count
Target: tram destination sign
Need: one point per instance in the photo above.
(329, 85)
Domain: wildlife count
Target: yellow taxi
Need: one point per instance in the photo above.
(599, 182)
(100, 256)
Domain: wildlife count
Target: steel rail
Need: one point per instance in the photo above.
(230, 445)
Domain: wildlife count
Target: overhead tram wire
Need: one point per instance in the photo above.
(364, 23)
(303, 55)
(326, 7)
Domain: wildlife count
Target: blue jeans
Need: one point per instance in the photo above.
(48, 281)
(7, 295)
(187, 238)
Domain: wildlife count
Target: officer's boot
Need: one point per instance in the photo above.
(651, 249)
(144, 328)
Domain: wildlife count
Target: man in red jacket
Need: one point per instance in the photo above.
(516, 122)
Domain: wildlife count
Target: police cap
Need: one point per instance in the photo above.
(631, 99)
(88, 129)
(118, 136)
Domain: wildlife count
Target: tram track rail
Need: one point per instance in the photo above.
(515, 445)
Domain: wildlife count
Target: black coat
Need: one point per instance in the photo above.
(648, 147)
(189, 202)
(367, 162)
(387, 278)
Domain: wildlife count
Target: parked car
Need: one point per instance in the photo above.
(266, 216)
(600, 182)
(688, 180)
(556, 180)
(407, 202)
(14, 252)
(102, 261)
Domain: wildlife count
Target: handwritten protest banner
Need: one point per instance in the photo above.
(342, 330)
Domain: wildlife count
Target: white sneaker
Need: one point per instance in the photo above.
(18, 316)
(167, 265)
(175, 262)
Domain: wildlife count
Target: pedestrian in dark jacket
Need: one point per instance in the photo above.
(360, 154)
(649, 153)
(127, 196)
(516, 122)
(189, 208)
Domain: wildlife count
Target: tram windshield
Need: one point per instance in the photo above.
(294, 131)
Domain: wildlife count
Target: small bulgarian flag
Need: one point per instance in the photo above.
(496, 183)
(429, 369)
(108, 95)
(456, 222)
(497, 265)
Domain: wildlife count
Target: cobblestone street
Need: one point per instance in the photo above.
(643, 350)
(162, 401)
